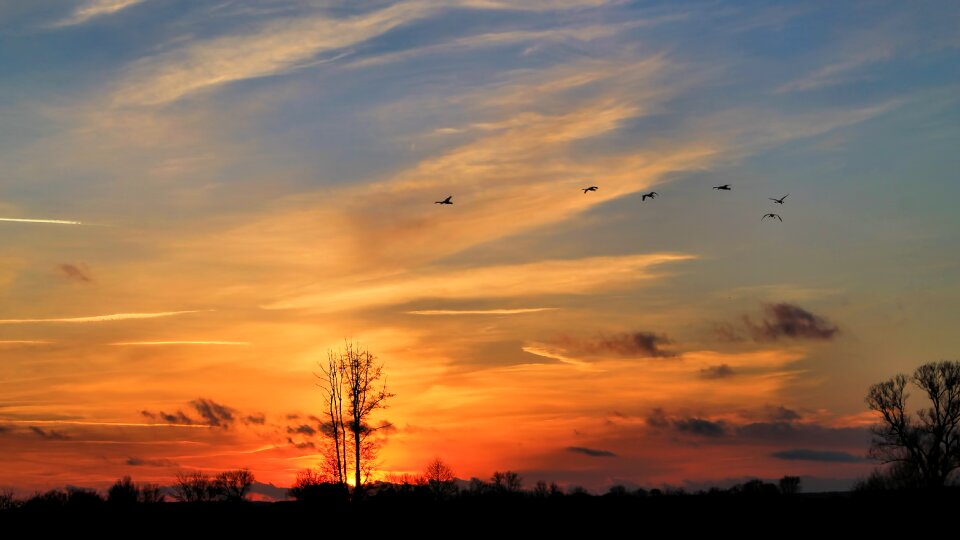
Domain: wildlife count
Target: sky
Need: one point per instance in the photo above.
(200, 198)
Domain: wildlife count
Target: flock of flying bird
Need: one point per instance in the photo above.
(654, 194)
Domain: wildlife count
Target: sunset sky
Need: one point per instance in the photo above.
(200, 198)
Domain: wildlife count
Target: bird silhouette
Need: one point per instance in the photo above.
(771, 216)
(725, 187)
(448, 200)
(591, 188)
(652, 195)
(780, 200)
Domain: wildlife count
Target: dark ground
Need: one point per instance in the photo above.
(805, 515)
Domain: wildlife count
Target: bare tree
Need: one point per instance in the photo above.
(506, 482)
(354, 388)
(194, 487)
(440, 478)
(234, 485)
(335, 430)
(929, 441)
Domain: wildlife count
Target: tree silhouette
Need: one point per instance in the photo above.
(929, 441)
(506, 482)
(789, 485)
(440, 478)
(354, 388)
(194, 487)
(123, 492)
(234, 485)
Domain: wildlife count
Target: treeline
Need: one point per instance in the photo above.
(192, 487)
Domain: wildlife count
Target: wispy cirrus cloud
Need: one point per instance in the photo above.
(91, 9)
(577, 276)
(278, 47)
(101, 318)
(163, 343)
(503, 311)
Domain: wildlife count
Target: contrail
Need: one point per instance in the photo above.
(101, 318)
(236, 343)
(23, 342)
(53, 221)
(120, 424)
(517, 311)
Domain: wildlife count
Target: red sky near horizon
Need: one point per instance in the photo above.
(199, 201)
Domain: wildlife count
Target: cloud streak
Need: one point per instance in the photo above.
(48, 221)
(518, 311)
(163, 343)
(590, 452)
(101, 318)
(576, 276)
(92, 9)
(803, 454)
(627, 344)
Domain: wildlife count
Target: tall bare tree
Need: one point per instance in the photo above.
(335, 430)
(929, 441)
(354, 388)
(440, 478)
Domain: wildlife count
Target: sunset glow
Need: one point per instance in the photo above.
(266, 176)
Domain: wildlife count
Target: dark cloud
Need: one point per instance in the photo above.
(75, 273)
(629, 344)
(293, 416)
(592, 452)
(302, 429)
(803, 454)
(5, 428)
(269, 491)
(657, 418)
(48, 434)
(790, 321)
(700, 427)
(210, 413)
(303, 444)
(781, 320)
(689, 425)
(782, 414)
(717, 372)
(795, 433)
(139, 462)
(213, 413)
(175, 418)
(258, 419)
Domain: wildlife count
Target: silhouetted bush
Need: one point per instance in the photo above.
(55, 499)
(896, 477)
(83, 499)
(789, 485)
(8, 501)
(123, 492)
(311, 488)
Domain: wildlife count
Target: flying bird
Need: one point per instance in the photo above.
(780, 200)
(448, 200)
(771, 216)
(652, 195)
(725, 187)
(591, 188)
